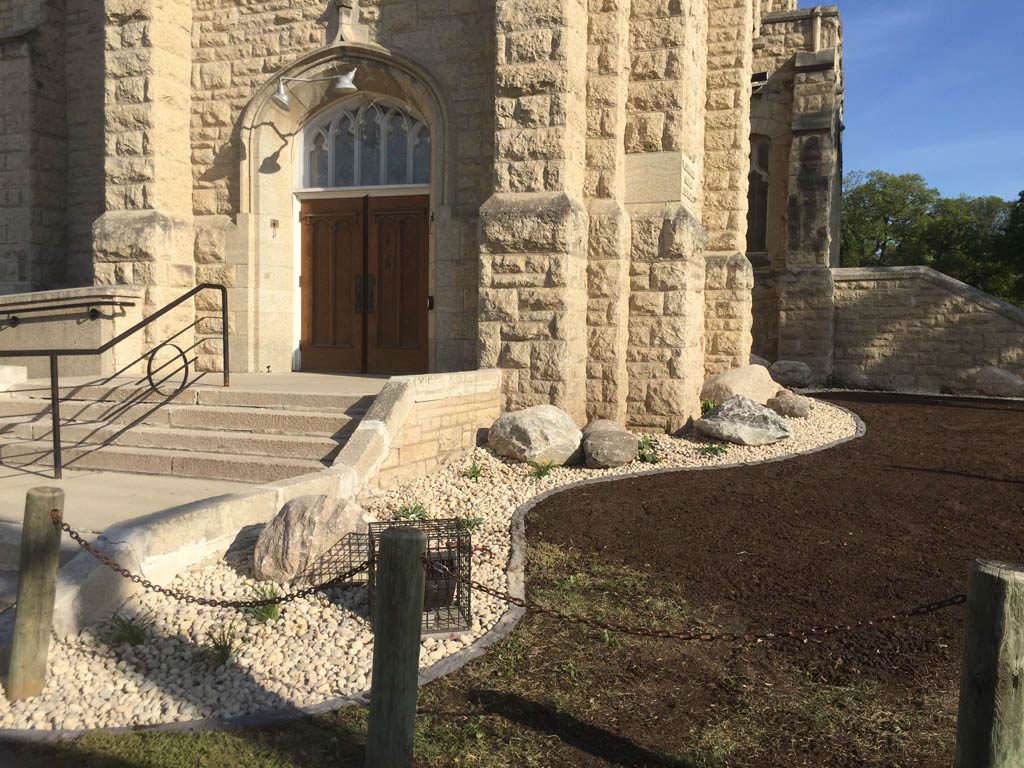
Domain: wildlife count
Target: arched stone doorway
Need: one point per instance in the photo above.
(339, 195)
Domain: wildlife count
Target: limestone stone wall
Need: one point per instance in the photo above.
(437, 432)
(237, 48)
(15, 176)
(533, 230)
(145, 236)
(915, 328)
(798, 105)
(666, 100)
(728, 297)
(418, 423)
(666, 316)
(33, 159)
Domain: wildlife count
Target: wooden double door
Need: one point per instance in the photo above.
(365, 281)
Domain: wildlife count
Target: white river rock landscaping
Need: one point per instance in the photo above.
(321, 649)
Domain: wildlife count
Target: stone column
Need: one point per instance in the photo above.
(805, 289)
(664, 163)
(145, 236)
(728, 317)
(533, 230)
(604, 187)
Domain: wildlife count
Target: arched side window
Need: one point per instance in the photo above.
(367, 143)
(757, 196)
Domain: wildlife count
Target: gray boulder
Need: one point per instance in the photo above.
(740, 420)
(758, 360)
(607, 445)
(752, 381)
(301, 532)
(998, 382)
(791, 373)
(543, 434)
(787, 403)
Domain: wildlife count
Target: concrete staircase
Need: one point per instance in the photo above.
(204, 432)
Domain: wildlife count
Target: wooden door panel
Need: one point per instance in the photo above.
(398, 265)
(332, 263)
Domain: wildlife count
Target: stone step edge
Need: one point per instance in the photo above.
(106, 432)
(118, 450)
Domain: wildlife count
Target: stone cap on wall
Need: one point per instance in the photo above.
(951, 284)
(61, 294)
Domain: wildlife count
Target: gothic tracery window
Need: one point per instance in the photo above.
(757, 207)
(367, 144)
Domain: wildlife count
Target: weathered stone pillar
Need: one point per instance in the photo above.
(730, 276)
(145, 237)
(664, 165)
(605, 187)
(806, 308)
(533, 230)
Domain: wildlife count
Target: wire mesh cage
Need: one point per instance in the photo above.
(349, 552)
(446, 595)
(447, 600)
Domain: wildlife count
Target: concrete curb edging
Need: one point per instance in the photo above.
(516, 586)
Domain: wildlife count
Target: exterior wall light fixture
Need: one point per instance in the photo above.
(342, 84)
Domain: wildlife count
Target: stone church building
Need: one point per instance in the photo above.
(608, 200)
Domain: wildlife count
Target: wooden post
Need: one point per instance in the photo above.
(397, 624)
(37, 587)
(990, 727)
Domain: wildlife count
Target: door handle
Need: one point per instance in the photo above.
(369, 294)
(359, 294)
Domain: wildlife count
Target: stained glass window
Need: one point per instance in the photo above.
(368, 143)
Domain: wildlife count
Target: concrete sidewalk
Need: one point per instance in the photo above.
(96, 500)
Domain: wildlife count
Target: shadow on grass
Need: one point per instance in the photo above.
(305, 743)
(575, 733)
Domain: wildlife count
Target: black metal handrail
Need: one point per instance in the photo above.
(54, 354)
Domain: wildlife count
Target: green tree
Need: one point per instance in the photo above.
(884, 218)
(898, 220)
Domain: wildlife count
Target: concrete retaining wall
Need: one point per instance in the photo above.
(414, 425)
(914, 328)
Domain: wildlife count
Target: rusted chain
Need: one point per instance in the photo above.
(184, 597)
(743, 638)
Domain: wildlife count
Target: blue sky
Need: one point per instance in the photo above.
(936, 87)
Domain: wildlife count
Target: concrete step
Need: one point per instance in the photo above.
(202, 440)
(262, 420)
(156, 461)
(132, 392)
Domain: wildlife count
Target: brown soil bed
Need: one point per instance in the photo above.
(876, 525)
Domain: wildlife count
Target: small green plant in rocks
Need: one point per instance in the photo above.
(220, 645)
(414, 511)
(707, 406)
(648, 451)
(714, 450)
(474, 471)
(121, 629)
(266, 590)
(470, 523)
(540, 469)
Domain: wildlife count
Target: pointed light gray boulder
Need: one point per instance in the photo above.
(607, 445)
(543, 434)
(792, 373)
(742, 421)
(302, 531)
